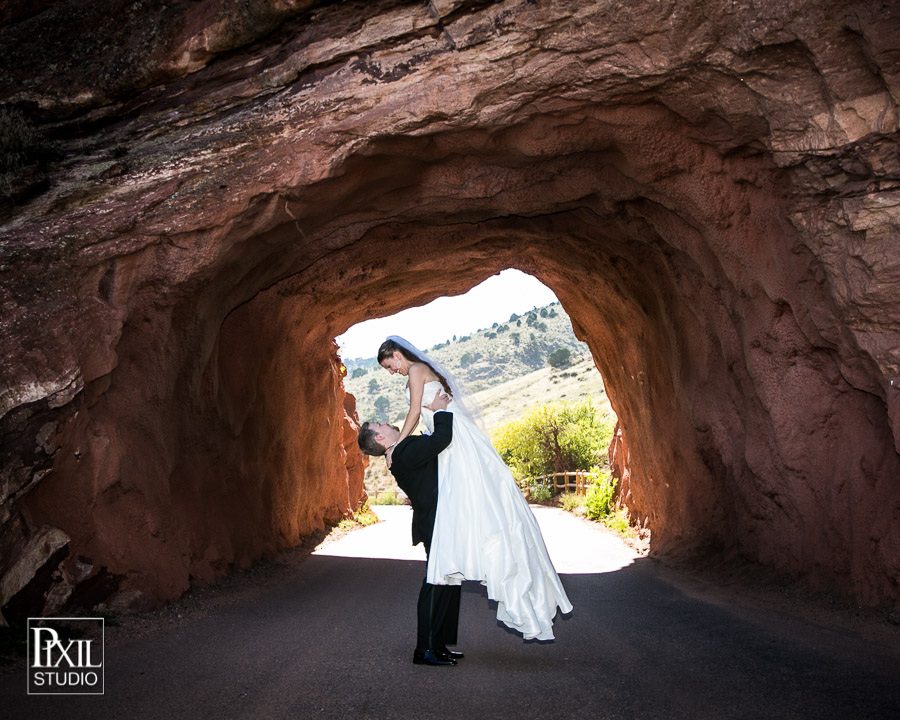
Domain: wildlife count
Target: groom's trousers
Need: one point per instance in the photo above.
(438, 616)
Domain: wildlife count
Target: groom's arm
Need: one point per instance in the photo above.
(420, 449)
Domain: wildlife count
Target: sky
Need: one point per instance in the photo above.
(494, 300)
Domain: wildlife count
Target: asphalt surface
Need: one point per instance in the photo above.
(334, 638)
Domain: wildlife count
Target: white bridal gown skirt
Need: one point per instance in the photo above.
(484, 530)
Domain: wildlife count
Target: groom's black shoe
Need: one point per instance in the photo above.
(431, 657)
(447, 654)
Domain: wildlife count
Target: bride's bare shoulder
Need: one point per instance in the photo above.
(421, 372)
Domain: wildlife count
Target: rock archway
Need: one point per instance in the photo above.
(711, 192)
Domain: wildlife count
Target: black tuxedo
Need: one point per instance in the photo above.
(414, 464)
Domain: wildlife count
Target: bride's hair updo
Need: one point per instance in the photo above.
(389, 347)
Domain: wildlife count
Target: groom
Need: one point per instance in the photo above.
(414, 465)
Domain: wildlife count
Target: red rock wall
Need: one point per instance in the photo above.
(710, 190)
(249, 458)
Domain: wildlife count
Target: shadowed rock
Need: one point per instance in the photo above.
(710, 190)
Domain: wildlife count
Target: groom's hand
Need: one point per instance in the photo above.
(440, 402)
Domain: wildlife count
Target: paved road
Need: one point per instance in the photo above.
(334, 640)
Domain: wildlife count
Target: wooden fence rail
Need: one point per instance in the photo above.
(577, 481)
(396, 494)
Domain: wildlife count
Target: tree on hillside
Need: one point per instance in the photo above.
(373, 386)
(359, 372)
(469, 358)
(382, 406)
(560, 358)
(532, 354)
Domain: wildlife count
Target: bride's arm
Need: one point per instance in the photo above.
(416, 390)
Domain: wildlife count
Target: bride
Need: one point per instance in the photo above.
(484, 529)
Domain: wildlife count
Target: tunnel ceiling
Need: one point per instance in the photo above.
(710, 189)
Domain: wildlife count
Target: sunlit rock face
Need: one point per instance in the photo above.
(710, 189)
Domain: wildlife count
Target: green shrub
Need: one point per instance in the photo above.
(598, 501)
(361, 518)
(570, 502)
(540, 493)
(556, 437)
(364, 516)
(618, 521)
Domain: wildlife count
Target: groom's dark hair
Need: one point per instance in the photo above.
(367, 442)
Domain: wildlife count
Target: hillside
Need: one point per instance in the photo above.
(509, 400)
(485, 359)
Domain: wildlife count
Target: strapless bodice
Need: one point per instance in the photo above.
(427, 414)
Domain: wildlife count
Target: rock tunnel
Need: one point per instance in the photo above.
(711, 190)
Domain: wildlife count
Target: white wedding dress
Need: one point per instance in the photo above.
(484, 530)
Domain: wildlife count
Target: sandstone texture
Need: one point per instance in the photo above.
(712, 188)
